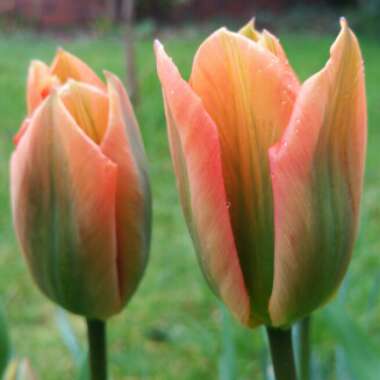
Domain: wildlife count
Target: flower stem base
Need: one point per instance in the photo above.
(96, 332)
(281, 348)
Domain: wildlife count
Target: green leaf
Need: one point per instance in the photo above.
(68, 336)
(72, 343)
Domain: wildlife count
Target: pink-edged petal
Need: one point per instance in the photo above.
(63, 200)
(196, 157)
(21, 132)
(122, 143)
(317, 172)
(67, 66)
(39, 84)
(247, 92)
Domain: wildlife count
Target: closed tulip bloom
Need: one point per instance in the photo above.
(19, 370)
(269, 170)
(80, 192)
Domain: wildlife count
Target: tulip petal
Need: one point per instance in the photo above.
(88, 106)
(249, 30)
(39, 85)
(247, 92)
(122, 143)
(317, 173)
(67, 66)
(21, 132)
(63, 201)
(271, 43)
(197, 163)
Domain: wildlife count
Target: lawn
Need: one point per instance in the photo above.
(174, 328)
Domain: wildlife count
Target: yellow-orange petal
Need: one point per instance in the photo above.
(197, 164)
(247, 92)
(39, 84)
(317, 173)
(67, 66)
(122, 143)
(63, 201)
(249, 31)
(88, 105)
(271, 43)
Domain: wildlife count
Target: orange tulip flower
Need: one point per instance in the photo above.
(269, 171)
(79, 186)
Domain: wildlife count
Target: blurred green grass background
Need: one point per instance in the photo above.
(174, 327)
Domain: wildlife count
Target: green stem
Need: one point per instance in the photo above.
(281, 348)
(96, 332)
(304, 351)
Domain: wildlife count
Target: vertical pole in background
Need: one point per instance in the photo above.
(130, 53)
(110, 10)
(115, 11)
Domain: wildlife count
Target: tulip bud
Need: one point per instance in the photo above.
(269, 171)
(80, 191)
(19, 370)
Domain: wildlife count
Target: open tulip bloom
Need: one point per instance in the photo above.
(269, 170)
(79, 186)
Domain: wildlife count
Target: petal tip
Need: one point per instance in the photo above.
(108, 75)
(112, 80)
(343, 23)
(249, 30)
(251, 24)
(159, 51)
(157, 45)
(59, 53)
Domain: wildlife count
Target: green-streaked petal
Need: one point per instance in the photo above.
(247, 92)
(63, 201)
(39, 85)
(122, 143)
(317, 173)
(197, 164)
